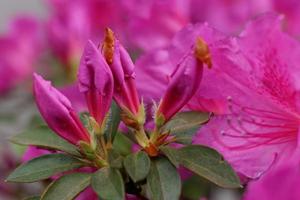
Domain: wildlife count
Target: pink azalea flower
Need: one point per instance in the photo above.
(58, 113)
(281, 182)
(258, 76)
(19, 52)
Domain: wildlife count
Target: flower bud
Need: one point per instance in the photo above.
(95, 81)
(185, 81)
(122, 67)
(58, 113)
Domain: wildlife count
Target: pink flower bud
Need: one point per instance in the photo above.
(57, 111)
(185, 80)
(122, 67)
(95, 81)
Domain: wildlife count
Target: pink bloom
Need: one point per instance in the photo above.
(281, 182)
(95, 81)
(122, 67)
(257, 73)
(57, 111)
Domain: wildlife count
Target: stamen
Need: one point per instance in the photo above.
(202, 52)
(274, 127)
(108, 45)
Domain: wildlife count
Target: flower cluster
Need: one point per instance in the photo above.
(177, 96)
(106, 73)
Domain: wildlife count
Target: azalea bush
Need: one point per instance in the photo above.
(84, 152)
(158, 100)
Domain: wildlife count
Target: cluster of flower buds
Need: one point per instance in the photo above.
(106, 72)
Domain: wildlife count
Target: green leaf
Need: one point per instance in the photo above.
(163, 181)
(122, 144)
(208, 163)
(113, 121)
(44, 167)
(137, 165)
(43, 137)
(108, 184)
(171, 154)
(184, 125)
(115, 159)
(67, 187)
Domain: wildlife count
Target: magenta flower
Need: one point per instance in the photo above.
(281, 182)
(185, 80)
(57, 111)
(258, 75)
(122, 67)
(95, 81)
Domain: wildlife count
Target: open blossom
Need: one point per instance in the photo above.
(57, 111)
(122, 67)
(260, 74)
(95, 81)
(281, 182)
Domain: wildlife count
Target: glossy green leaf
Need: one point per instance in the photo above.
(208, 163)
(67, 187)
(184, 125)
(171, 154)
(163, 181)
(137, 165)
(43, 137)
(44, 167)
(113, 121)
(108, 184)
